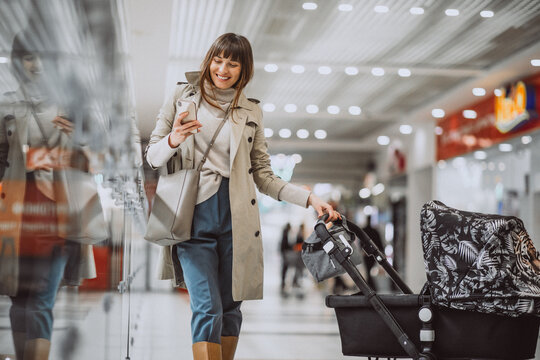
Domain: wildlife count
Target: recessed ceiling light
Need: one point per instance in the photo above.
(405, 129)
(355, 110)
(535, 62)
(381, 9)
(312, 109)
(269, 107)
(270, 68)
(469, 114)
(416, 10)
(480, 155)
(404, 72)
(377, 71)
(302, 133)
(378, 189)
(3, 60)
(383, 140)
(324, 70)
(333, 109)
(309, 6)
(437, 113)
(504, 147)
(297, 158)
(351, 70)
(345, 7)
(364, 193)
(497, 92)
(452, 12)
(479, 91)
(486, 14)
(285, 133)
(298, 69)
(268, 132)
(320, 134)
(290, 108)
(526, 139)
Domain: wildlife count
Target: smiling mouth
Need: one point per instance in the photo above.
(222, 77)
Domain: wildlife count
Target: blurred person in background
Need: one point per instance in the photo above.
(298, 263)
(34, 138)
(286, 252)
(369, 261)
(222, 264)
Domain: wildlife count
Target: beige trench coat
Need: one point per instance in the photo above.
(250, 167)
(14, 118)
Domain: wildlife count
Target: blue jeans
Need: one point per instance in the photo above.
(31, 311)
(206, 261)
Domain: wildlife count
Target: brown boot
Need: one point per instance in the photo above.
(228, 347)
(19, 338)
(206, 351)
(37, 349)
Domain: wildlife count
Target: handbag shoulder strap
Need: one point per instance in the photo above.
(203, 160)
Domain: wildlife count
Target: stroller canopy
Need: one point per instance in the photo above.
(480, 262)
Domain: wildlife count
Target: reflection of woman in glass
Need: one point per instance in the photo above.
(222, 264)
(32, 139)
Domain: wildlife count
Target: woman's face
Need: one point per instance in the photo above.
(32, 66)
(224, 72)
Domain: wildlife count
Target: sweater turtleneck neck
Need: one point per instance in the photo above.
(222, 96)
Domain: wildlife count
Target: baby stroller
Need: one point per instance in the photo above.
(441, 322)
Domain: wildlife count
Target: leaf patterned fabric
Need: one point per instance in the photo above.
(480, 262)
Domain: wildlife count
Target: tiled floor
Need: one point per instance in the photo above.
(94, 326)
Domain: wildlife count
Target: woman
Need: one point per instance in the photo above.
(222, 264)
(34, 258)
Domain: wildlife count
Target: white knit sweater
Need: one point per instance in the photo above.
(217, 164)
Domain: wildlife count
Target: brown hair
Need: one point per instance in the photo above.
(237, 48)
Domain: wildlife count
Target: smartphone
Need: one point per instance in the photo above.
(189, 106)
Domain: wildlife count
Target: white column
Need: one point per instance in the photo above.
(420, 185)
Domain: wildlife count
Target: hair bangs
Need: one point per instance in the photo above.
(229, 49)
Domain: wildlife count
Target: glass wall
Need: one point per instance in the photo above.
(72, 202)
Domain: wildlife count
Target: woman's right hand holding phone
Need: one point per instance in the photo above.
(180, 132)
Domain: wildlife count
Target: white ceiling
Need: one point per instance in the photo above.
(446, 55)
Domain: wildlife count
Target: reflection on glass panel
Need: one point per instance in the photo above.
(71, 181)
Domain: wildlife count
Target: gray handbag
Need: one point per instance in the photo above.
(174, 203)
(318, 262)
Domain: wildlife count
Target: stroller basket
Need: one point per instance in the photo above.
(460, 334)
(412, 326)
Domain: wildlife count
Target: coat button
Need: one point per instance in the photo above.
(257, 233)
(253, 201)
(250, 171)
(250, 139)
(9, 133)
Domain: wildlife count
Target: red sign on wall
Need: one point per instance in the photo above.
(493, 120)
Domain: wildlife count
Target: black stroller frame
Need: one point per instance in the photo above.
(424, 348)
